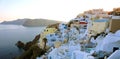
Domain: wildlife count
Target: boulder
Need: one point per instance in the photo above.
(20, 44)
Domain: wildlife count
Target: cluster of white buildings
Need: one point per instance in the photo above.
(79, 39)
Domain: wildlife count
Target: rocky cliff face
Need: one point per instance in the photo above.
(31, 49)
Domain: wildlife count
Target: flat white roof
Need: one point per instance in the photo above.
(115, 17)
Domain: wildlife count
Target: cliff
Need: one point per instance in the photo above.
(31, 50)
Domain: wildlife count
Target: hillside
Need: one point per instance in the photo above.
(31, 22)
(39, 22)
(15, 22)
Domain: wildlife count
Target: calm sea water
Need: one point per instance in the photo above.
(10, 34)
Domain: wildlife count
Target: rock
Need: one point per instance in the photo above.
(32, 53)
(53, 25)
(35, 40)
(31, 49)
(20, 45)
(30, 43)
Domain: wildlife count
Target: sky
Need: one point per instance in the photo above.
(62, 10)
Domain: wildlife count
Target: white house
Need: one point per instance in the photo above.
(115, 55)
(81, 55)
(111, 41)
(62, 27)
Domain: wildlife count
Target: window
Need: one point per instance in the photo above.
(50, 35)
(50, 57)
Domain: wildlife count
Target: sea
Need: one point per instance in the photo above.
(10, 34)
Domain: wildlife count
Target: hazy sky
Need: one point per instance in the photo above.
(63, 10)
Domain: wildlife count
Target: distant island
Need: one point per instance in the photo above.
(15, 22)
(31, 22)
